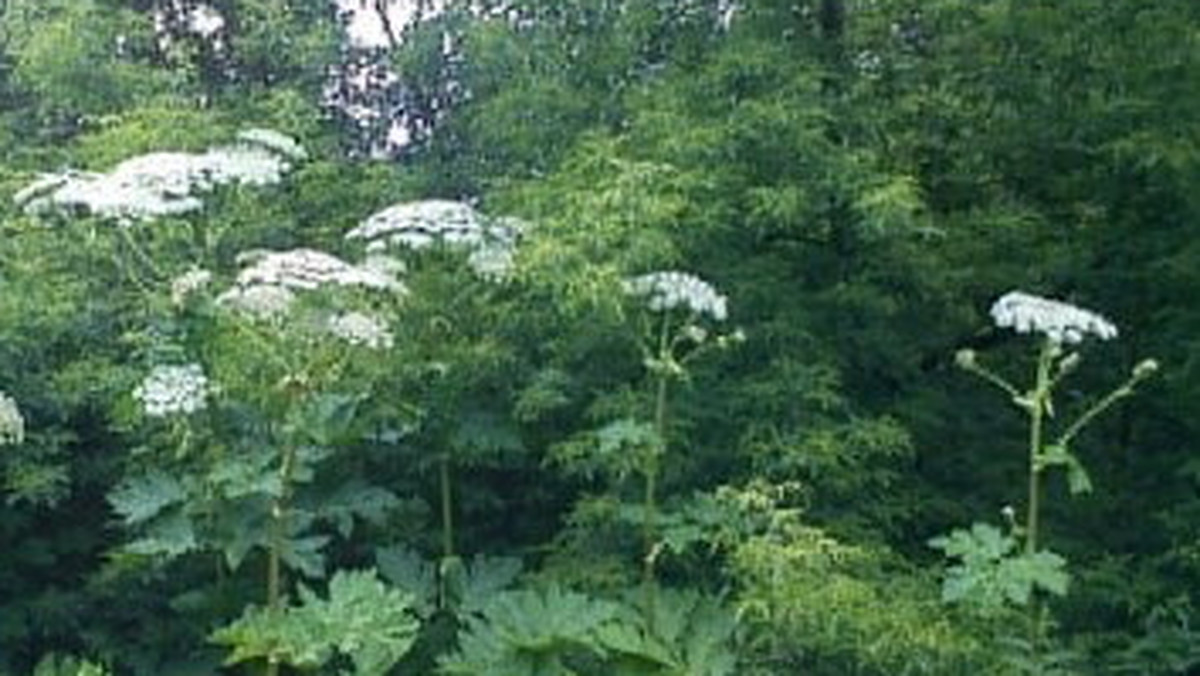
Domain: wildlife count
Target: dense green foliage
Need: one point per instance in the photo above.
(547, 471)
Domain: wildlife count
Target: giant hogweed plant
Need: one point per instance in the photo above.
(247, 393)
(284, 343)
(443, 334)
(998, 568)
(676, 314)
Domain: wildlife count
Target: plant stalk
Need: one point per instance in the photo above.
(447, 512)
(279, 516)
(650, 506)
(1038, 405)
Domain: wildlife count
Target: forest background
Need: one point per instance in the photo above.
(527, 468)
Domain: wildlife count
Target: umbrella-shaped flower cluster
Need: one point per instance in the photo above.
(358, 328)
(425, 224)
(671, 290)
(268, 287)
(171, 389)
(164, 183)
(1061, 322)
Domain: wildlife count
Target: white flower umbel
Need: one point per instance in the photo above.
(163, 183)
(261, 302)
(672, 290)
(416, 225)
(307, 269)
(170, 390)
(366, 25)
(428, 223)
(1061, 322)
(205, 21)
(362, 329)
(493, 262)
(188, 283)
(12, 423)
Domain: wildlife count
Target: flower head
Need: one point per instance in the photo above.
(306, 269)
(188, 283)
(429, 223)
(163, 183)
(670, 290)
(1062, 323)
(12, 423)
(262, 302)
(362, 329)
(420, 224)
(170, 390)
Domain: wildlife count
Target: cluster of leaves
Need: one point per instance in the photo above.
(362, 619)
(990, 572)
(561, 632)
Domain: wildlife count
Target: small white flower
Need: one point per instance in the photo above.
(169, 390)
(188, 283)
(670, 290)
(205, 20)
(262, 302)
(493, 263)
(1061, 322)
(12, 423)
(362, 329)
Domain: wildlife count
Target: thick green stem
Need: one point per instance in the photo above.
(1039, 402)
(447, 503)
(279, 526)
(650, 507)
(1039, 405)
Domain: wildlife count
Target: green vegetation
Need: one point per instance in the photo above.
(555, 337)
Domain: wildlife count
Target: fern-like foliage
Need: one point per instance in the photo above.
(362, 619)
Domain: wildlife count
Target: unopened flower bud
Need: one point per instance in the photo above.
(1145, 368)
(695, 333)
(965, 358)
(730, 339)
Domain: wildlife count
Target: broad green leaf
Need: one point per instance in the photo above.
(168, 536)
(405, 568)
(361, 618)
(142, 498)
